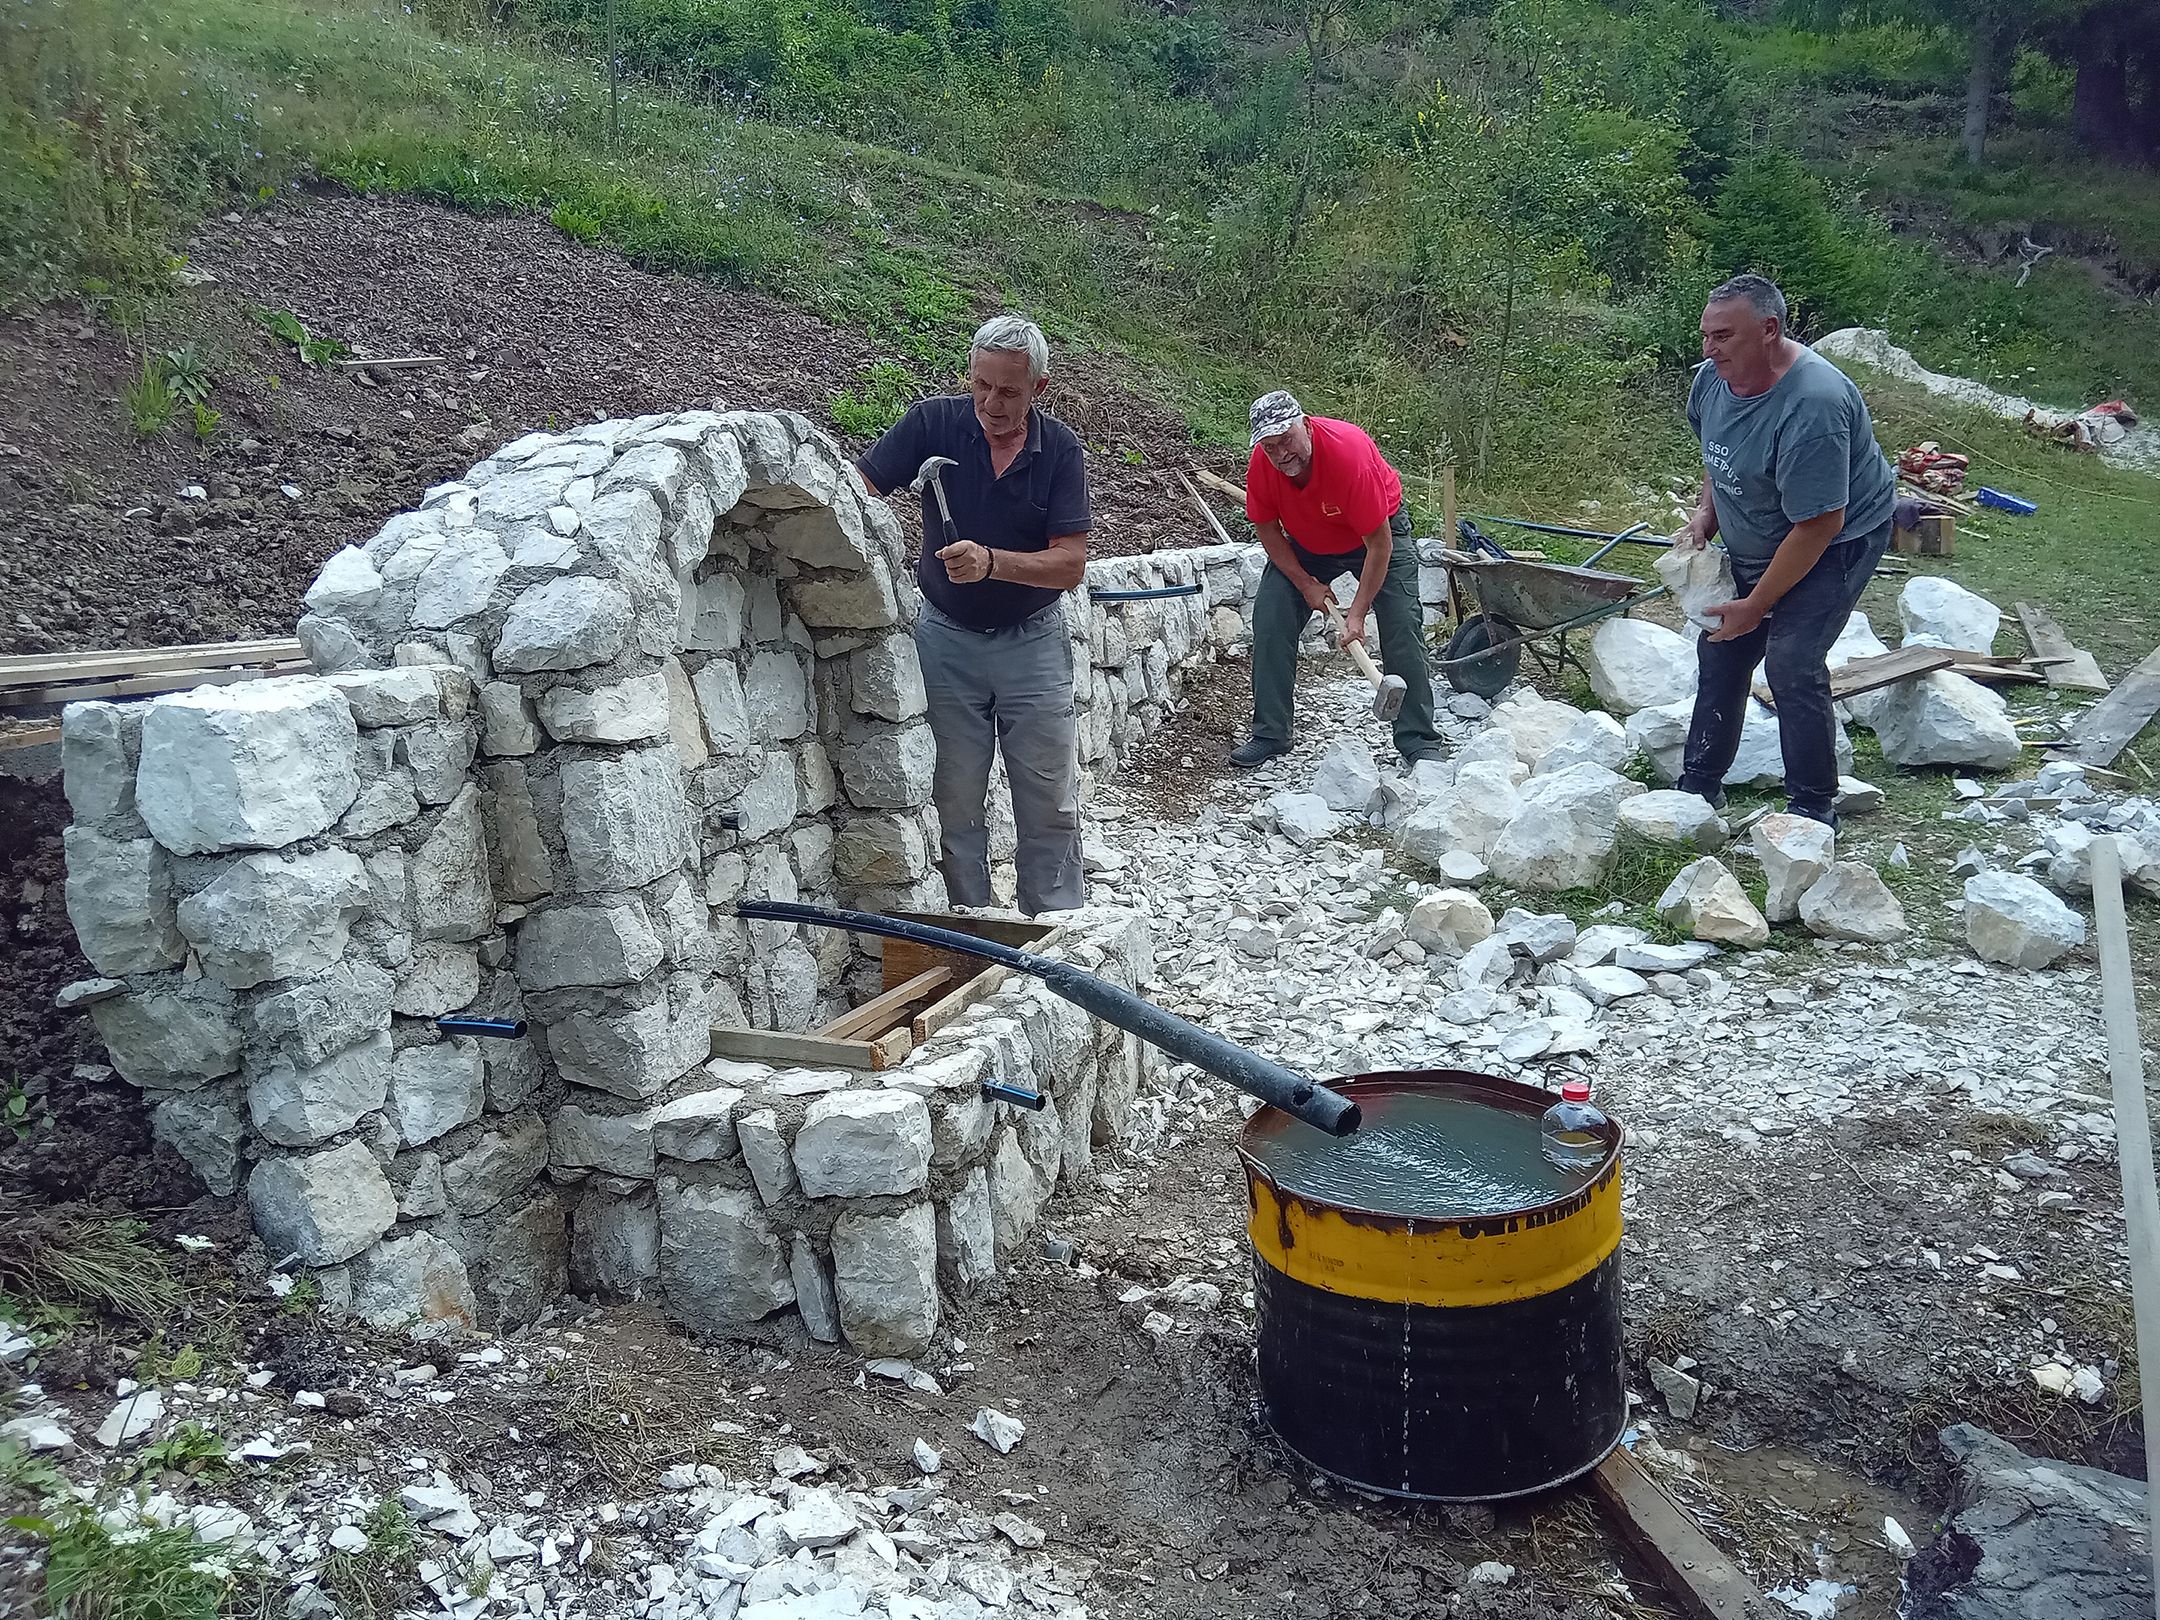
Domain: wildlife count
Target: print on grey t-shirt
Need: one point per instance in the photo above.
(1804, 448)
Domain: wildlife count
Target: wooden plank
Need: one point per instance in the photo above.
(1988, 667)
(1698, 1577)
(178, 680)
(942, 1012)
(890, 1049)
(874, 1016)
(1887, 669)
(781, 1046)
(29, 736)
(1221, 485)
(2070, 667)
(2133, 1141)
(40, 669)
(2108, 727)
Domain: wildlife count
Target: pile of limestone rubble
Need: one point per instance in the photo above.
(1546, 798)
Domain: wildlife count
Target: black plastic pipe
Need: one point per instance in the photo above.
(1286, 1089)
(499, 1029)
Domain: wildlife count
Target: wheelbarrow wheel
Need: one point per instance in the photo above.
(1470, 668)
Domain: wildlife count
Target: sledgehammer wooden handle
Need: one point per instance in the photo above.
(1356, 649)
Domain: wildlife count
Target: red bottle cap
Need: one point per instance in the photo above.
(1576, 1091)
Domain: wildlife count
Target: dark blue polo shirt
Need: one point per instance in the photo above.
(1043, 493)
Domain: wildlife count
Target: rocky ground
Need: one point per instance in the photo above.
(1870, 1190)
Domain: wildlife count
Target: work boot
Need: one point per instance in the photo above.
(1256, 751)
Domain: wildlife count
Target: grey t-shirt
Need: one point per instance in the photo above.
(1804, 448)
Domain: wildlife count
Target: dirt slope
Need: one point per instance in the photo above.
(99, 547)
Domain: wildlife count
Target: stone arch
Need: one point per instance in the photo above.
(568, 710)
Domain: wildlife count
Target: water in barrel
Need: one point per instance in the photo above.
(1427, 1152)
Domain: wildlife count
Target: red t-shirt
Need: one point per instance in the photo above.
(1350, 491)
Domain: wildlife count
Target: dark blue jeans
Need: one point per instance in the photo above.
(1792, 644)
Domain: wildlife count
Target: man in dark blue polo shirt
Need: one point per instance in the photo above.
(996, 663)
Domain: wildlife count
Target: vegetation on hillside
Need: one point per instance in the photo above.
(1484, 226)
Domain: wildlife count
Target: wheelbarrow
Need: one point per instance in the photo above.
(1531, 606)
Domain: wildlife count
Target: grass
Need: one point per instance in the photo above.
(376, 1582)
(144, 1572)
(98, 1263)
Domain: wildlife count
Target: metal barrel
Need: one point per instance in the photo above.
(1452, 1361)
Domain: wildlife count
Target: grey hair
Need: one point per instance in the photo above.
(1014, 334)
(1760, 292)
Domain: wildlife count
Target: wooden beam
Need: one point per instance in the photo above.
(1221, 485)
(179, 680)
(782, 1046)
(29, 736)
(42, 669)
(2133, 1141)
(1206, 511)
(2069, 667)
(2109, 726)
(874, 1016)
(1696, 1575)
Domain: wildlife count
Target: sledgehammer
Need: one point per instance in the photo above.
(1388, 691)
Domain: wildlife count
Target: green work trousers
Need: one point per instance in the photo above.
(1279, 619)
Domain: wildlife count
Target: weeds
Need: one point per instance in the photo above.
(98, 1262)
(369, 1583)
(146, 1572)
(190, 1449)
(149, 399)
(24, 1473)
(207, 422)
(15, 1113)
(313, 351)
(186, 375)
(881, 400)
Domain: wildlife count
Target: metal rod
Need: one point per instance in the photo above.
(1286, 1089)
(1603, 611)
(1150, 594)
(2133, 1146)
(1577, 534)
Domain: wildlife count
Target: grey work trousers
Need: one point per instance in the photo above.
(1011, 690)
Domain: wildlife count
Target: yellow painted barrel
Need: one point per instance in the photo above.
(1444, 1359)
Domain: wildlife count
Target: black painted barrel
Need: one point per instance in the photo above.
(1450, 1360)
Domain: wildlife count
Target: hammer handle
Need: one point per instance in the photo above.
(1356, 649)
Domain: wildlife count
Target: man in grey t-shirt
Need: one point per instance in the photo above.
(1800, 492)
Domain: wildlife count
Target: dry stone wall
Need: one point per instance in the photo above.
(604, 684)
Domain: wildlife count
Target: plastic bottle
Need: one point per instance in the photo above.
(1574, 1130)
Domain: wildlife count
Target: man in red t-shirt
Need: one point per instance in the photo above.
(1326, 503)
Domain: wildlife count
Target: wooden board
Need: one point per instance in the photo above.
(875, 1016)
(1698, 1577)
(177, 680)
(29, 736)
(1887, 669)
(2109, 726)
(2068, 667)
(809, 1051)
(42, 669)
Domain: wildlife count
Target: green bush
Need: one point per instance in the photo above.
(1774, 218)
